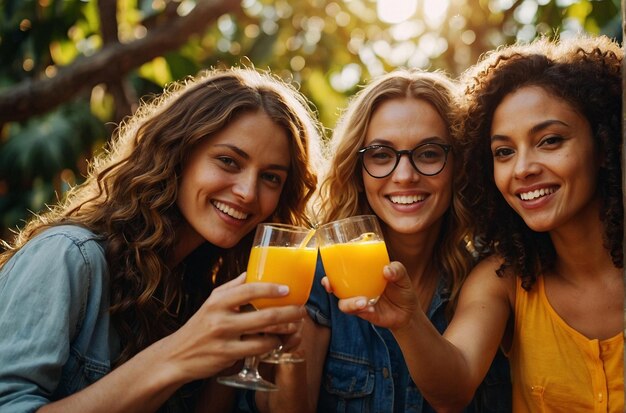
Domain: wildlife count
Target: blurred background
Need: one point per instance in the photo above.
(70, 70)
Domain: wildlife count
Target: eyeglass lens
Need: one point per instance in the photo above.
(380, 161)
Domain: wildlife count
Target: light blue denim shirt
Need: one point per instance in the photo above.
(365, 371)
(56, 336)
(55, 333)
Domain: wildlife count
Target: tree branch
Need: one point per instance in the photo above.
(33, 97)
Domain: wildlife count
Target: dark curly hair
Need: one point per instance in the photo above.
(129, 197)
(583, 71)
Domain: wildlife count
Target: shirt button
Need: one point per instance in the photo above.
(385, 372)
(600, 398)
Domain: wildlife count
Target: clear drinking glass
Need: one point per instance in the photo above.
(354, 254)
(283, 254)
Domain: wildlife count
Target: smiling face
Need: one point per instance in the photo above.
(545, 164)
(406, 201)
(233, 180)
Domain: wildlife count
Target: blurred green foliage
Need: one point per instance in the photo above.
(328, 47)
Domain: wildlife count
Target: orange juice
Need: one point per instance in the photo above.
(290, 266)
(356, 268)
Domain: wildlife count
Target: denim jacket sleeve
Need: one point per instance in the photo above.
(45, 290)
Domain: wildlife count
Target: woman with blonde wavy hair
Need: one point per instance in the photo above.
(125, 296)
(394, 154)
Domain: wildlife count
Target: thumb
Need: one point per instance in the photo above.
(396, 273)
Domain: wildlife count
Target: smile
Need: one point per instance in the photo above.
(538, 193)
(406, 199)
(231, 212)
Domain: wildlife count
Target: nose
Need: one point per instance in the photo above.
(405, 172)
(525, 165)
(245, 186)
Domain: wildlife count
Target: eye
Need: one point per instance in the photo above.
(228, 162)
(502, 152)
(380, 155)
(552, 140)
(272, 178)
(429, 155)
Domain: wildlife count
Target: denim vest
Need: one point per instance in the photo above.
(365, 371)
(56, 336)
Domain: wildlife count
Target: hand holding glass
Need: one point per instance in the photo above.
(282, 254)
(354, 254)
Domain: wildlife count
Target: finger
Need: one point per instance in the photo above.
(353, 305)
(396, 273)
(254, 345)
(238, 295)
(288, 328)
(291, 341)
(262, 319)
(326, 285)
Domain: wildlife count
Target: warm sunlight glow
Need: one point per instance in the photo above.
(395, 11)
(435, 12)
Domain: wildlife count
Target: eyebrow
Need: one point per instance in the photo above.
(537, 128)
(246, 156)
(430, 139)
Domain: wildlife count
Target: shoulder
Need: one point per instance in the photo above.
(67, 240)
(484, 278)
(73, 234)
(60, 252)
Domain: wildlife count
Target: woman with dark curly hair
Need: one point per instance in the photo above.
(543, 133)
(124, 297)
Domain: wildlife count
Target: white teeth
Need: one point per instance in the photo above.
(407, 199)
(229, 210)
(528, 196)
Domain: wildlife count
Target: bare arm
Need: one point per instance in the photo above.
(215, 397)
(299, 383)
(213, 339)
(447, 369)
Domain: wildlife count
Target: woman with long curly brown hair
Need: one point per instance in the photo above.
(136, 271)
(544, 139)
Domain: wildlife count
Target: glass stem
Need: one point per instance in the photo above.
(250, 368)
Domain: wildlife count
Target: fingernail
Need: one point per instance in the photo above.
(360, 303)
(283, 289)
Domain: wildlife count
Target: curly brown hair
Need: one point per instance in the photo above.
(340, 189)
(129, 196)
(583, 71)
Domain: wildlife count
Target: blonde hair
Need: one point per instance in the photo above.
(340, 190)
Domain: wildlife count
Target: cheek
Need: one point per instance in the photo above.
(269, 201)
(500, 177)
(371, 186)
(443, 187)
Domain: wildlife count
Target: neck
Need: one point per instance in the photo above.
(415, 252)
(580, 251)
(187, 240)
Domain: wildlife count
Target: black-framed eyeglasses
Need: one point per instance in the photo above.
(428, 159)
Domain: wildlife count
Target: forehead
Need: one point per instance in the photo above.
(254, 134)
(406, 122)
(531, 105)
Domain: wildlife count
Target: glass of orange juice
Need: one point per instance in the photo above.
(354, 254)
(282, 254)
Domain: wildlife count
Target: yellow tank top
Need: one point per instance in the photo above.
(554, 368)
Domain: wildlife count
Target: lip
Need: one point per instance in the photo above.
(407, 201)
(231, 213)
(539, 195)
